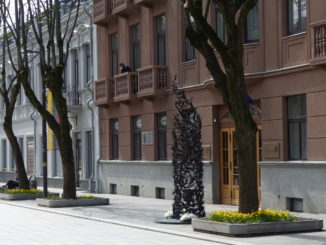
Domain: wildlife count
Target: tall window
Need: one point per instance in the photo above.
(87, 64)
(137, 124)
(160, 37)
(4, 154)
(297, 127)
(115, 138)
(114, 53)
(135, 39)
(219, 24)
(297, 16)
(252, 26)
(89, 154)
(161, 136)
(190, 52)
(75, 88)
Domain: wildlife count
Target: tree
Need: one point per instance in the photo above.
(9, 91)
(52, 37)
(187, 159)
(228, 75)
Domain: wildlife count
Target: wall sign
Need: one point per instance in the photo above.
(147, 138)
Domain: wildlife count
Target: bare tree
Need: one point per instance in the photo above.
(52, 36)
(9, 91)
(228, 75)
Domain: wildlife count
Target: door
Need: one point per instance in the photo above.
(230, 167)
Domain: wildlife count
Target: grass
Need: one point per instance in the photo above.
(23, 191)
(265, 215)
(85, 197)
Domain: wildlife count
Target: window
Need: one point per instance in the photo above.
(134, 189)
(115, 139)
(161, 136)
(135, 37)
(114, 54)
(252, 26)
(75, 87)
(190, 50)
(87, 64)
(297, 127)
(137, 124)
(297, 16)
(219, 24)
(160, 39)
(113, 188)
(30, 144)
(89, 154)
(4, 154)
(160, 193)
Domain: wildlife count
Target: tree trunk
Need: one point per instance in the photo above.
(246, 149)
(21, 171)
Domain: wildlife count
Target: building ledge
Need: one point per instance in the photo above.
(144, 162)
(307, 164)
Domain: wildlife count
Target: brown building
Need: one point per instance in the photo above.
(285, 54)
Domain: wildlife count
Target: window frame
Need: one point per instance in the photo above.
(161, 143)
(160, 36)
(114, 139)
(301, 120)
(114, 53)
(290, 27)
(247, 40)
(136, 139)
(135, 46)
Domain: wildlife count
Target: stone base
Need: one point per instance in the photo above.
(252, 229)
(13, 197)
(172, 221)
(71, 203)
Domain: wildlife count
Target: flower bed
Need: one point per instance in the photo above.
(261, 222)
(21, 194)
(59, 202)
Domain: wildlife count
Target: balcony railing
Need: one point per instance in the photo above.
(102, 10)
(22, 112)
(73, 97)
(319, 43)
(152, 81)
(126, 86)
(122, 7)
(104, 91)
(148, 2)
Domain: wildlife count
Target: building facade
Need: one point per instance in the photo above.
(284, 58)
(78, 90)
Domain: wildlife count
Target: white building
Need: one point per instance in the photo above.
(27, 123)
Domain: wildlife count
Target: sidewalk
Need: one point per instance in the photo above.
(140, 213)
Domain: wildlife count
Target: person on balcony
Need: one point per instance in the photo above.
(124, 68)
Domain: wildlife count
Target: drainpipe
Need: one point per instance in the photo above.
(31, 116)
(89, 88)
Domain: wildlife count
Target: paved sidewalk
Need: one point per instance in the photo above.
(139, 213)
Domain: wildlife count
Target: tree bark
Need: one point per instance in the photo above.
(17, 154)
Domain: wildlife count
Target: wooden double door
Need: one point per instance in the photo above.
(230, 166)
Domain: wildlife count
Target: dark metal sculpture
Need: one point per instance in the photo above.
(187, 158)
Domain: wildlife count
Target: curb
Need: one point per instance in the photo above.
(135, 226)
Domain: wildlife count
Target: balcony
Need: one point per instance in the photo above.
(126, 86)
(102, 10)
(148, 3)
(104, 91)
(318, 43)
(123, 7)
(152, 81)
(73, 98)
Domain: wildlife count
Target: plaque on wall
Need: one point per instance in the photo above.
(206, 152)
(271, 150)
(147, 138)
